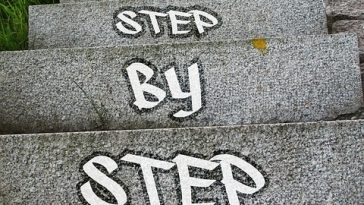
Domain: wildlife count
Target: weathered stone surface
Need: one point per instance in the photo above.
(312, 163)
(354, 26)
(346, 9)
(295, 79)
(362, 74)
(80, 1)
(77, 1)
(91, 23)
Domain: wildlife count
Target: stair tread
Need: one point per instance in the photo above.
(303, 163)
(91, 23)
(307, 78)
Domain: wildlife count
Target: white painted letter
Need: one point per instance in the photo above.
(195, 89)
(146, 165)
(139, 89)
(153, 19)
(123, 16)
(175, 21)
(201, 24)
(231, 185)
(102, 179)
(183, 162)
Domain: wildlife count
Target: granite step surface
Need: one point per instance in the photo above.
(353, 26)
(336, 9)
(294, 79)
(304, 163)
(127, 22)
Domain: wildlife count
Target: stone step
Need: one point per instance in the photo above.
(98, 24)
(310, 163)
(354, 26)
(336, 9)
(294, 79)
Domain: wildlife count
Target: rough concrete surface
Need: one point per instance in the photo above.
(311, 163)
(295, 79)
(91, 23)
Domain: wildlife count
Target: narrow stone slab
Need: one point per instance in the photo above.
(314, 163)
(113, 22)
(353, 26)
(197, 84)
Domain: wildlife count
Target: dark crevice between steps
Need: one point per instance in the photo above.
(332, 19)
(345, 17)
(359, 114)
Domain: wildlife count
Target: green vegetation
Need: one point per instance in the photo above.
(14, 23)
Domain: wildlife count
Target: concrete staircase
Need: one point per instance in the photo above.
(181, 102)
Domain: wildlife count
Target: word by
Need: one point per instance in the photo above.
(183, 163)
(138, 69)
(182, 22)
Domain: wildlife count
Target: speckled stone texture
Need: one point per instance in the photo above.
(362, 74)
(295, 79)
(353, 26)
(312, 163)
(346, 9)
(91, 23)
(79, 1)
